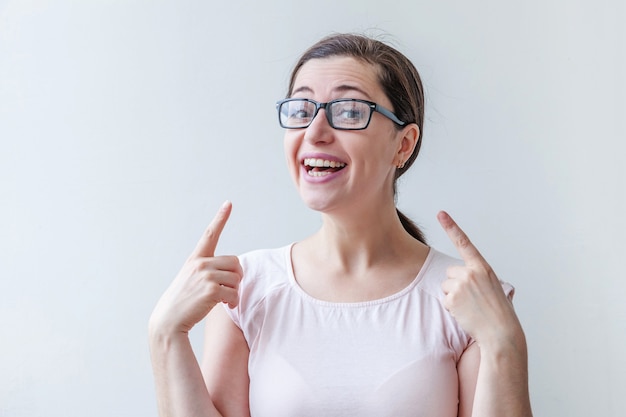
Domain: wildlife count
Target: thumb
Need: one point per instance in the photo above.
(208, 242)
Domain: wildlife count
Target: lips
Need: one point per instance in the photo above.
(318, 167)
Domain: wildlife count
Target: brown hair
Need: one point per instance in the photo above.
(398, 78)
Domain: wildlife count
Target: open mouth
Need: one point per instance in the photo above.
(320, 167)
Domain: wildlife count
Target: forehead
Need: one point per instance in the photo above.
(327, 77)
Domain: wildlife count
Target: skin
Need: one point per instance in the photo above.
(360, 241)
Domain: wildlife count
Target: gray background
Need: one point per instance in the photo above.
(120, 139)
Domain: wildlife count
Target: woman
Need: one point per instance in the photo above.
(362, 318)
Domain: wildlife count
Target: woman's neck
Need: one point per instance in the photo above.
(356, 241)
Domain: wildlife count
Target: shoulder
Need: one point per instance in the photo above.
(265, 268)
(264, 271)
(434, 272)
(439, 323)
(263, 260)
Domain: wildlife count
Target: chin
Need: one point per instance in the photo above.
(316, 205)
(321, 204)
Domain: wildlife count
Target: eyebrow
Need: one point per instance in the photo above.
(342, 88)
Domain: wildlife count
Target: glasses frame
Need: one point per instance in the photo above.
(373, 108)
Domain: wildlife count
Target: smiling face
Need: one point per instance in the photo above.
(335, 169)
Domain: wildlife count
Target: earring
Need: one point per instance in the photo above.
(400, 164)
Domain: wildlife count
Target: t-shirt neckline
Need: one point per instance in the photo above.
(296, 286)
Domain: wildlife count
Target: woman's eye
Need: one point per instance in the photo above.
(299, 114)
(351, 114)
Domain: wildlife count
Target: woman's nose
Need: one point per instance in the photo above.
(319, 131)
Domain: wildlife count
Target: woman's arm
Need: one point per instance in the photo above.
(475, 298)
(467, 368)
(225, 364)
(494, 383)
(180, 389)
(502, 385)
(203, 282)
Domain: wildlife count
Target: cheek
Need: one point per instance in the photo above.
(381, 152)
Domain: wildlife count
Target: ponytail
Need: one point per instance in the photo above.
(411, 227)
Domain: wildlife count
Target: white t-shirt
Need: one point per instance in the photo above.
(395, 356)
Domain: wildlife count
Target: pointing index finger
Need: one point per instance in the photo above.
(461, 242)
(208, 242)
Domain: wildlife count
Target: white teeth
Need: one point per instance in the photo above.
(323, 163)
(318, 173)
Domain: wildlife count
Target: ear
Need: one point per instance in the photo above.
(408, 140)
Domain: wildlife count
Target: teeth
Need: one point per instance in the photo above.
(323, 163)
(318, 173)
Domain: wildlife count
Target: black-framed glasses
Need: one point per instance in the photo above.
(342, 114)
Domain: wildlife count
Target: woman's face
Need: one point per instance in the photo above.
(362, 162)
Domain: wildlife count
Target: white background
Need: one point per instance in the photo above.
(121, 135)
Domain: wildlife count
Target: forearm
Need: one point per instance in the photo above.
(180, 388)
(502, 385)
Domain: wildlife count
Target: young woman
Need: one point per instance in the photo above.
(362, 318)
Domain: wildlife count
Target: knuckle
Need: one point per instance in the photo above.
(210, 234)
(462, 241)
(230, 260)
(199, 265)
(211, 289)
(211, 277)
(234, 265)
(205, 263)
(471, 276)
(466, 276)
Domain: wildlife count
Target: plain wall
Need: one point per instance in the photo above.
(120, 137)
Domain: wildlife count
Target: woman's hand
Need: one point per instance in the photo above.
(203, 281)
(474, 294)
